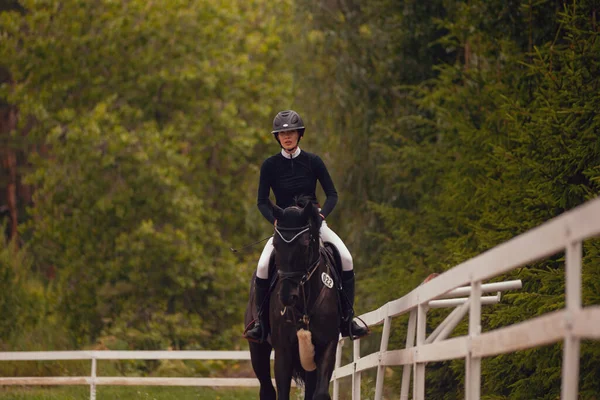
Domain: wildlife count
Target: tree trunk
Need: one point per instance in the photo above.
(8, 122)
(8, 157)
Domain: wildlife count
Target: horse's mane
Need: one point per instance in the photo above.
(302, 201)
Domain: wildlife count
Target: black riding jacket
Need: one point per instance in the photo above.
(290, 177)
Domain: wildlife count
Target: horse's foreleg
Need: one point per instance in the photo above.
(283, 374)
(325, 366)
(261, 363)
(310, 383)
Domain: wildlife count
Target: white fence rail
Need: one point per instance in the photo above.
(93, 380)
(570, 325)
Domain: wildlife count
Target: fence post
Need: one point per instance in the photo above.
(473, 367)
(385, 338)
(93, 380)
(356, 376)
(570, 365)
(419, 375)
(410, 342)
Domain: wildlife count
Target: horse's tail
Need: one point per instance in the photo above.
(306, 350)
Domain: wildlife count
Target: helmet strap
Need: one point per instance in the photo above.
(277, 138)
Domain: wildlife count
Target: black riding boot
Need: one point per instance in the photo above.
(258, 332)
(347, 324)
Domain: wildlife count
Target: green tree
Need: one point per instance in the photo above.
(21, 297)
(149, 114)
(505, 139)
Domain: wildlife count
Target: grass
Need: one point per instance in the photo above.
(131, 392)
(125, 392)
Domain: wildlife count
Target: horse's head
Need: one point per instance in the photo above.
(296, 243)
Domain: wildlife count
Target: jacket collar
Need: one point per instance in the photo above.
(293, 155)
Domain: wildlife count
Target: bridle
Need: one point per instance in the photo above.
(306, 274)
(300, 277)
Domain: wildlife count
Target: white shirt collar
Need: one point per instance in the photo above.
(293, 155)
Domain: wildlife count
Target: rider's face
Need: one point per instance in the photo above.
(289, 140)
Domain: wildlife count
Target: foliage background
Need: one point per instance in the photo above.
(132, 133)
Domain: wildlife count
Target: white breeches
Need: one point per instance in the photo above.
(327, 235)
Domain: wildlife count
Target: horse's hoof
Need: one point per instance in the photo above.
(267, 393)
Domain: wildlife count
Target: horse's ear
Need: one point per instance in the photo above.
(277, 211)
(311, 212)
(307, 211)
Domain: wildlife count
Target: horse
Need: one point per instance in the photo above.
(304, 310)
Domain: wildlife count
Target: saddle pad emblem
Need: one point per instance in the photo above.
(327, 281)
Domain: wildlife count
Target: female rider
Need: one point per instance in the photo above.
(293, 173)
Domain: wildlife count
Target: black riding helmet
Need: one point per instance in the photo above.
(288, 120)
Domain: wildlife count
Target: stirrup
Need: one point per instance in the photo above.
(351, 327)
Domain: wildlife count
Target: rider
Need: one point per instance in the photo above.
(290, 174)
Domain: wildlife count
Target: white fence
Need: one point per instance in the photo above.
(93, 380)
(571, 325)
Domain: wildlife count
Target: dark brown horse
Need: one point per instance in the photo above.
(303, 310)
